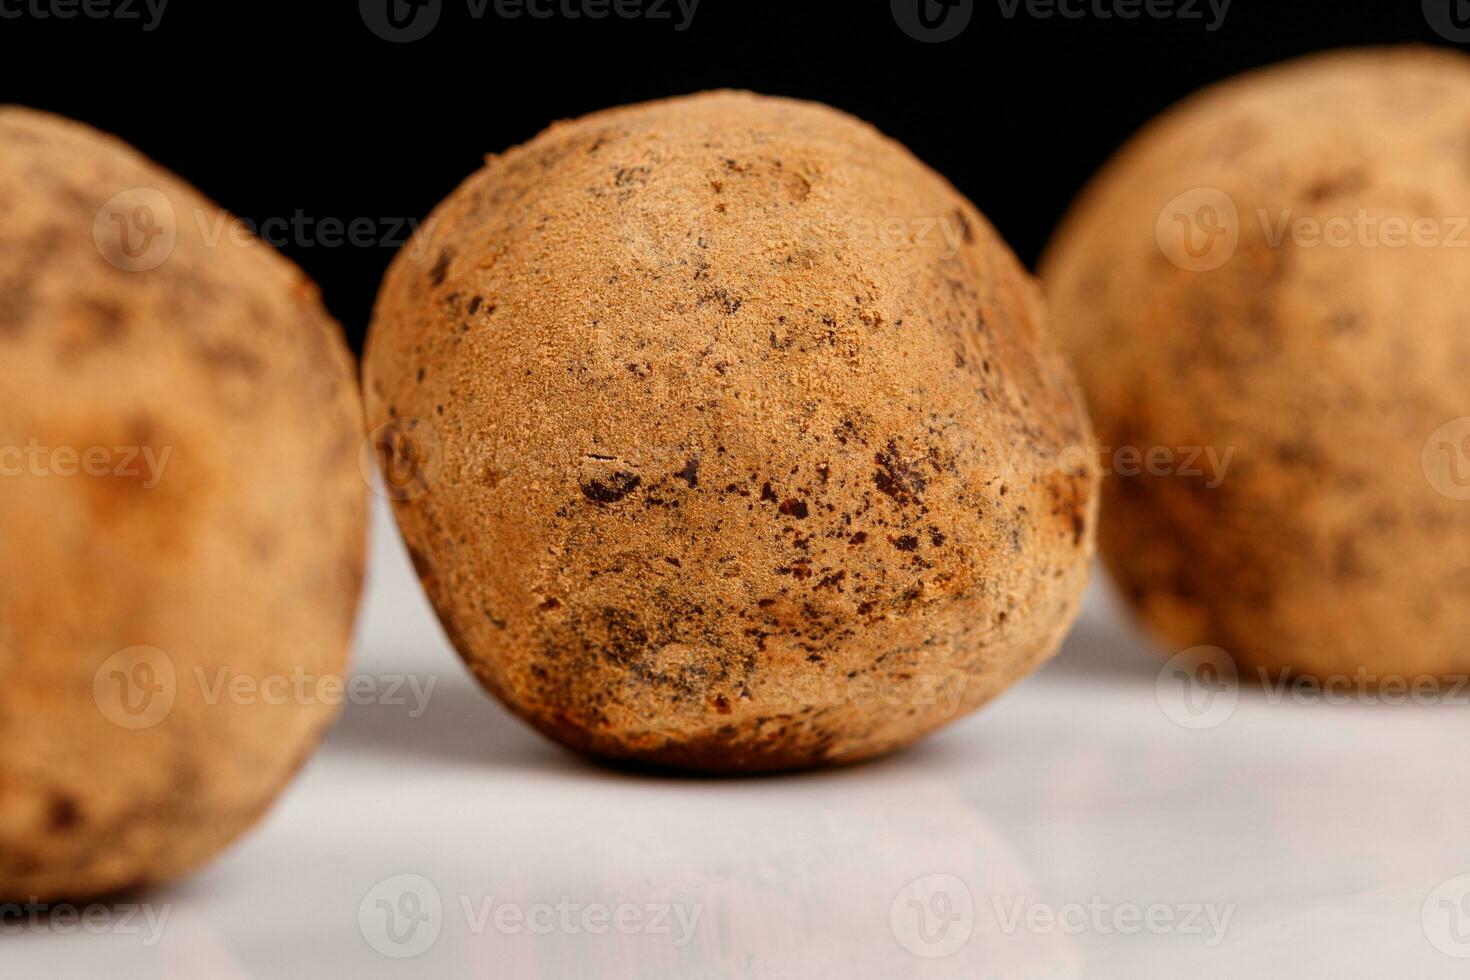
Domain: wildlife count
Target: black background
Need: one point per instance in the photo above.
(274, 108)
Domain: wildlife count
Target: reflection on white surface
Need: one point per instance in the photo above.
(1072, 829)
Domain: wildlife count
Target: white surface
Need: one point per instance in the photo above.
(1319, 830)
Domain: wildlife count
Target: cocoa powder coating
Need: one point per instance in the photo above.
(751, 447)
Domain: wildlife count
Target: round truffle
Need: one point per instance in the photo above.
(183, 521)
(1268, 288)
(729, 436)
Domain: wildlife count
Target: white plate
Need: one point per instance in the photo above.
(1081, 826)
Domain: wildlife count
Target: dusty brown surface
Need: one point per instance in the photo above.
(241, 552)
(748, 431)
(1328, 545)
